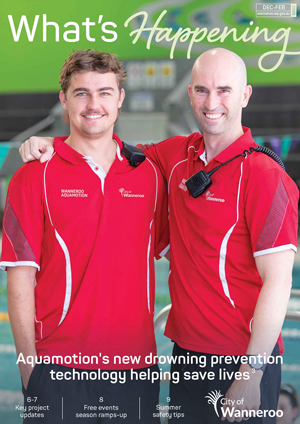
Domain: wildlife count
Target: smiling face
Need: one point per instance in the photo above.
(219, 92)
(92, 101)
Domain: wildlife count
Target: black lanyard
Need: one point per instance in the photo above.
(198, 183)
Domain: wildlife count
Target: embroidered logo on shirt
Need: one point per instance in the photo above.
(210, 196)
(125, 193)
(75, 192)
(182, 184)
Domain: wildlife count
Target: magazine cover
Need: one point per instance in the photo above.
(148, 282)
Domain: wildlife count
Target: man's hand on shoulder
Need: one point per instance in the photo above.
(37, 148)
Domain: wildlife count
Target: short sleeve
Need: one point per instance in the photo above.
(23, 222)
(271, 210)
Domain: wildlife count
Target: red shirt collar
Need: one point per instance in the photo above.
(70, 155)
(65, 151)
(237, 147)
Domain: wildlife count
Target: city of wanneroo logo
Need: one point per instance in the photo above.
(234, 408)
(213, 398)
(125, 193)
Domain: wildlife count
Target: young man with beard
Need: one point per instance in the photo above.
(86, 224)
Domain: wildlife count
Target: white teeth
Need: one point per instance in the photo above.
(213, 116)
(93, 116)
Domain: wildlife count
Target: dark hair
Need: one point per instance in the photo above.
(91, 60)
(289, 390)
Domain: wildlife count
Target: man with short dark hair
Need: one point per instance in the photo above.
(74, 223)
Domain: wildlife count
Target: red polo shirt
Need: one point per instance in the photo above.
(92, 238)
(250, 210)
